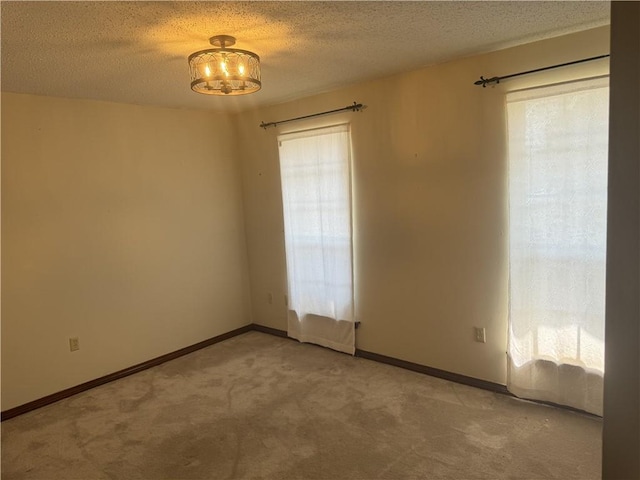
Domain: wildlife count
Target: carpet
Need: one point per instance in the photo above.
(259, 406)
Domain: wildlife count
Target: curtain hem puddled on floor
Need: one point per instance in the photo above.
(560, 383)
(335, 334)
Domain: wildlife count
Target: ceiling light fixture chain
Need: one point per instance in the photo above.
(223, 70)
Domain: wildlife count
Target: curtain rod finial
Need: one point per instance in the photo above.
(484, 81)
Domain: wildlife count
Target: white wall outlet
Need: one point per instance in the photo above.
(74, 344)
(481, 334)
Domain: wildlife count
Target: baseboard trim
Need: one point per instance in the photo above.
(271, 331)
(435, 372)
(376, 357)
(416, 367)
(69, 392)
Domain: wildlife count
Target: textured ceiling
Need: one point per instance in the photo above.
(136, 52)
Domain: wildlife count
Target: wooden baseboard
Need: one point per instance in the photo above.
(416, 367)
(270, 331)
(435, 372)
(54, 397)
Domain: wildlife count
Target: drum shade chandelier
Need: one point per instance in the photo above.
(223, 70)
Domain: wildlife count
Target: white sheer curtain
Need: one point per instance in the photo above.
(315, 169)
(558, 139)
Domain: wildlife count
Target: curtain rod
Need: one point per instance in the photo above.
(356, 107)
(484, 81)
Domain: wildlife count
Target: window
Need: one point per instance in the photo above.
(315, 168)
(558, 141)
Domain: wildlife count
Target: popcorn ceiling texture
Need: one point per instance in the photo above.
(136, 52)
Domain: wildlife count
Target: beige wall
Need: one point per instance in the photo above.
(621, 429)
(430, 173)
(122, 225)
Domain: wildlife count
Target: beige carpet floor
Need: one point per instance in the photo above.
(259, 406)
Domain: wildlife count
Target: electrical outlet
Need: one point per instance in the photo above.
(270, 298)
(481, 334)
(74, 344)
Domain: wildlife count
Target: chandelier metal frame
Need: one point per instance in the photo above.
(223, 70)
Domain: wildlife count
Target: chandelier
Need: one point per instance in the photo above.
(224, 71)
